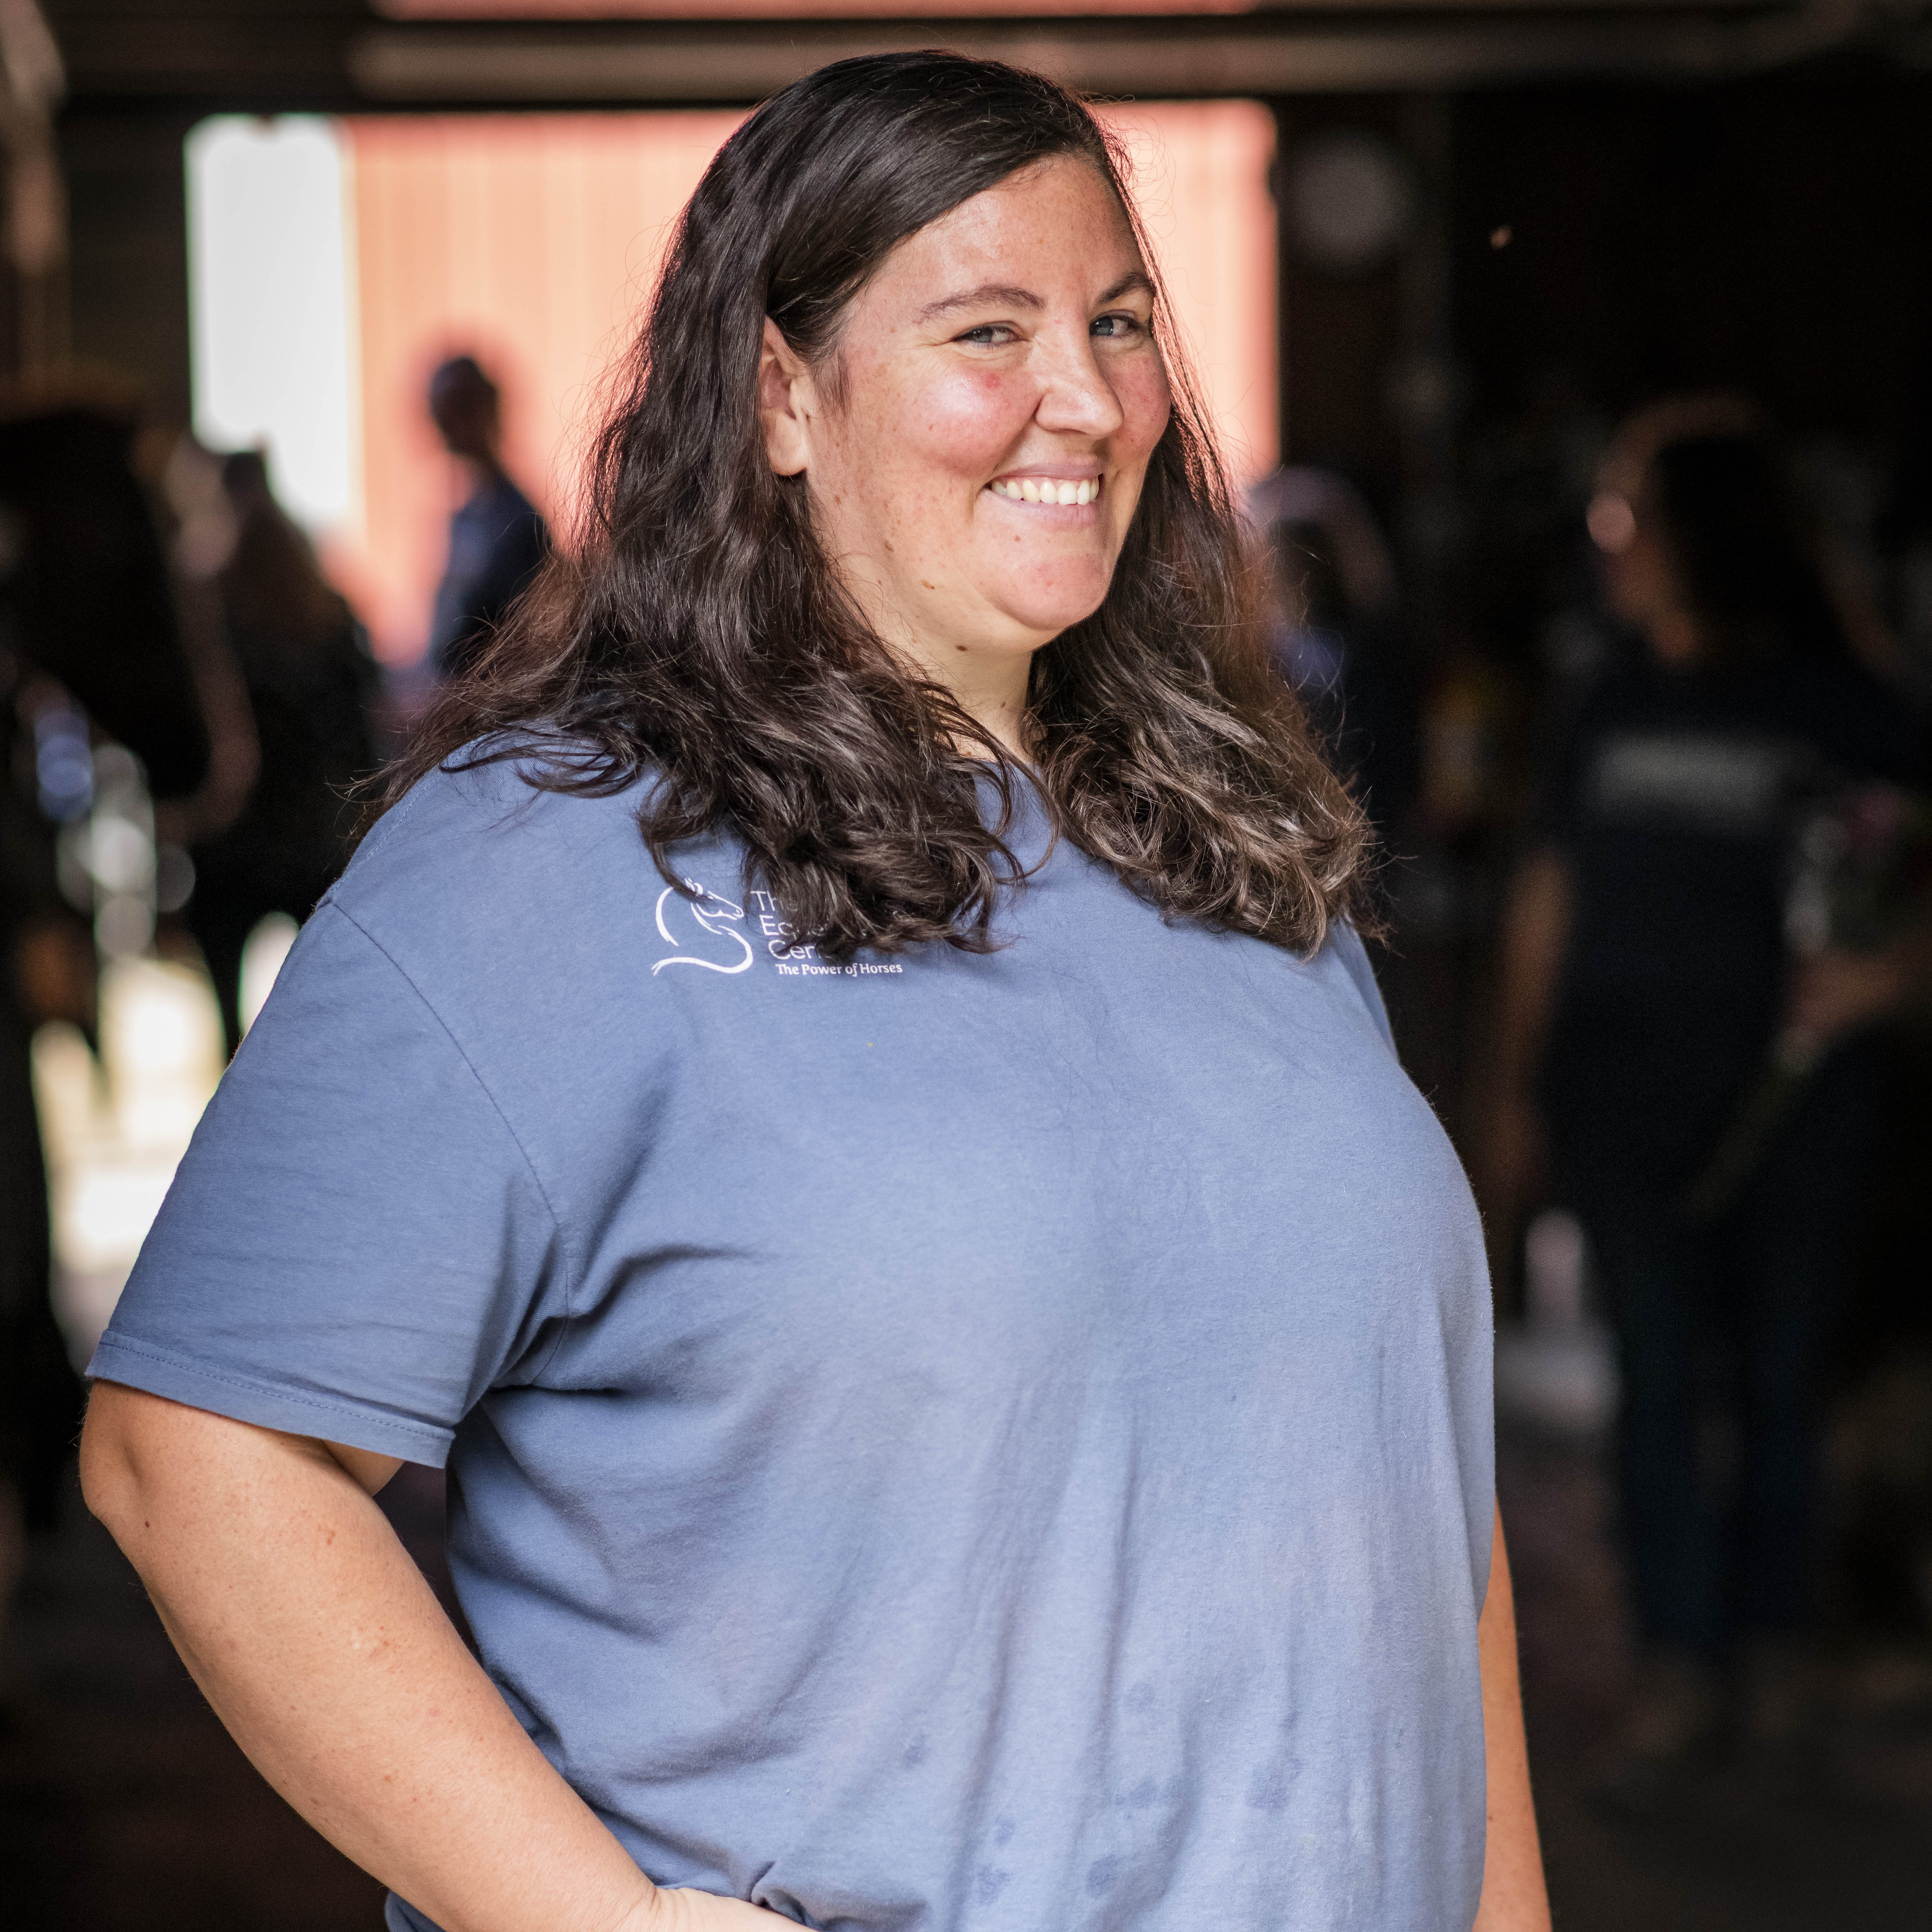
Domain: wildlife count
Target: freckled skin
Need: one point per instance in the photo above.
(937, 406)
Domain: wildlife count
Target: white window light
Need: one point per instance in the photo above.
(272, 298)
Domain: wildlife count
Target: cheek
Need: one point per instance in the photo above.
(1146, 403)
(965, 422)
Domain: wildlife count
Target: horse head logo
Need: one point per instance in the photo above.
(710, 914)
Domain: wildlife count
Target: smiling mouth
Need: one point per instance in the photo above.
(1046, 489)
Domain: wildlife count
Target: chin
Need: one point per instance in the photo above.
(1047, 617)
(1033, 629)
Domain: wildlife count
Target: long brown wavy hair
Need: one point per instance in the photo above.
(697, 635)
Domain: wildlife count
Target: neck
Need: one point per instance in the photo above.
(481, 471)
(1002, 713)
(990, 687)
(988, 683)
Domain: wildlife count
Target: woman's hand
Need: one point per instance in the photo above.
(679, 1909)
(1837, 992)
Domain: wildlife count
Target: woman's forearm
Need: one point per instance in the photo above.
(1513, 1899)
(315, 1638)
(1535, 937)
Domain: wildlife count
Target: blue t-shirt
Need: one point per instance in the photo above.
(943, 1442)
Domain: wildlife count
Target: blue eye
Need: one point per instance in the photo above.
(984, 336)
(1112, 328)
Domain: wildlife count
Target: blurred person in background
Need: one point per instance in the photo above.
(1646, 985)
(310, 687)
(497, 540)
(89, 638)
(1330, 611)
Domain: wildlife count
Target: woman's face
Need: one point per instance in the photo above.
(999, 368)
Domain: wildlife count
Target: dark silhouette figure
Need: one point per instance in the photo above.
(310, 685)
(497, 540)
(1647, 982)
(87, 615)
(1333, 632)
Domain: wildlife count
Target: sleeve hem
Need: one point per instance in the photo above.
(266, 1406)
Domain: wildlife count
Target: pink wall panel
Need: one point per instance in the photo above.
(527, 240)
(1201, 171)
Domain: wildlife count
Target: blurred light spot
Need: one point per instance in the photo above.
(1350, 201)
(1554, 1262)
(120, 854)
(124, 925)
(63, 763)
(261, 962)
(174, 878)
(114, 1130)
(1612, 524)
(116, 849)
(1501, 237)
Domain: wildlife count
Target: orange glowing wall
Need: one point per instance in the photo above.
(530, 241)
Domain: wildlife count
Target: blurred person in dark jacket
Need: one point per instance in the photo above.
(88, 619)
(497, 539)
(1332, 632)
(310, 686)
(1645, 982)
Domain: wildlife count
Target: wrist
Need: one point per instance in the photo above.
(645, 1912)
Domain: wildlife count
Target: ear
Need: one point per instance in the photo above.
(786, 403)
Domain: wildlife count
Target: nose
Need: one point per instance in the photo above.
(1076, 398)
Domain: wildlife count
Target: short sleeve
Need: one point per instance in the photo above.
(354, 1247)
(1354, 957)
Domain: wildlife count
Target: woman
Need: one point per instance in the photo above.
(963, 1363)
(1645, 982)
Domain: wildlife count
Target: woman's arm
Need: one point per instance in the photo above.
(314, 1637)
(1837, 991)
(1514, 1898)
(1509, 1155)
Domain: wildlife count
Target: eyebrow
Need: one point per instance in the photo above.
(988, 295)
(1003, 295)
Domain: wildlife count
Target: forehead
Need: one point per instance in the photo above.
(1056, 227)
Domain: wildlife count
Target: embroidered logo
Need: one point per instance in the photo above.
(709, 931)
(711, 914)
(798, 961)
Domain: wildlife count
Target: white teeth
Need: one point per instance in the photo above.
(1048, 490)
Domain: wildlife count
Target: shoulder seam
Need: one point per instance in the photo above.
(496, 1108)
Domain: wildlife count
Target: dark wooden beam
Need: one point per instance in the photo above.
(201, 56)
